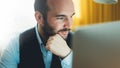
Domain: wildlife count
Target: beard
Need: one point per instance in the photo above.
(50, 31)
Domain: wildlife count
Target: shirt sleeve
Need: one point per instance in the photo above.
(10, 55)
(67, 61)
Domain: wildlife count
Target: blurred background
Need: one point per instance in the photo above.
(18, 15)
(89, 12)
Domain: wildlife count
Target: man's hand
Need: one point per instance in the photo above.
(58, 46)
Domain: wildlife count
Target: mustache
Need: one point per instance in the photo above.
(66, 29)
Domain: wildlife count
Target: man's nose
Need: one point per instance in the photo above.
(68, 23)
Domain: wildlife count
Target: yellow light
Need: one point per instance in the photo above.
(77, 8)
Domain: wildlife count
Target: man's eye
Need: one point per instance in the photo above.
(61, 18)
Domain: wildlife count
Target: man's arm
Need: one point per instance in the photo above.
(10, 56)
(58, 46)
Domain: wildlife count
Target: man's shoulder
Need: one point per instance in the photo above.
(28, 36)
(28, 31)
(70, 35)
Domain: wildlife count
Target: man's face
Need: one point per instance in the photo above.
(59, 17)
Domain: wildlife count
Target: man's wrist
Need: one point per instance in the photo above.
(67, 54)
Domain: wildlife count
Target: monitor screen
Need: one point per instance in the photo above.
(97, 46)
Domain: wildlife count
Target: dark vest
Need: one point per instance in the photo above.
(30, 53)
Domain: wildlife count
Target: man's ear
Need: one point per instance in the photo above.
(39, 17)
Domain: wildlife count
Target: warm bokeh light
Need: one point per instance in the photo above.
(77, 8)
(77, 16)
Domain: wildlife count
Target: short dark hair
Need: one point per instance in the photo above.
(41, 6)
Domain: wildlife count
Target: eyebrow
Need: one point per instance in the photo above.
(73, 14)
(60, 16)
(63, 15)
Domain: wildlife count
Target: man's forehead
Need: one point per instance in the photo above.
(55, 1)
(58, 2)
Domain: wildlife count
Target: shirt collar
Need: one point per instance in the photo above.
(38, 37)
(42, 47)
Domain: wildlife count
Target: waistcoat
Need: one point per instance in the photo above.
(30, 52)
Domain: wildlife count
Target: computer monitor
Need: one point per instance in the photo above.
(97, 46)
